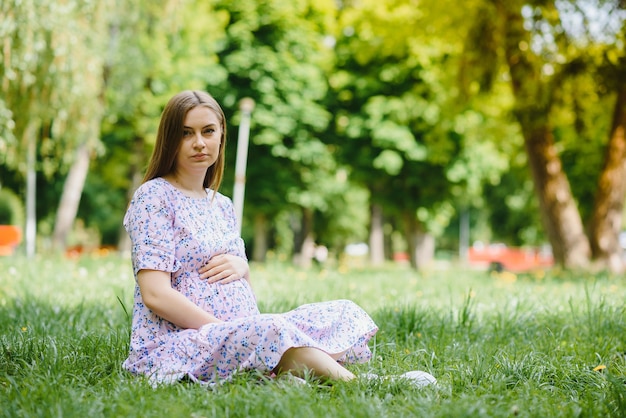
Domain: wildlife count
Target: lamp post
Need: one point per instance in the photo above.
(246, 105)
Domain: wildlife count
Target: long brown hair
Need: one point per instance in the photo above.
(170, 134)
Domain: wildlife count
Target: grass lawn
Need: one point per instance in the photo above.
(548, 344)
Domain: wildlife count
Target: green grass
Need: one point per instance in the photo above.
(500, 346)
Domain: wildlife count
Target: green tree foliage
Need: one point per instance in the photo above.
(51, 81)
(275, 53)
(51, 77)
(403, 127)
(418, 106)
(156, 49)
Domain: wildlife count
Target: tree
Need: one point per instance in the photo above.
(606, 221)
(90, 21)
(541, 56)
(534, 100)
(49, 94)
(399, 126)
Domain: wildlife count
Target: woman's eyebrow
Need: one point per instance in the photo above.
(205, 126)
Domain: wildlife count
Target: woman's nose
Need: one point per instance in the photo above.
(199, 140)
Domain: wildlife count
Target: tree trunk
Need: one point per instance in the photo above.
(70, 198)
(411, 231)
(260, 237)
(388, 244)
(377, 239)
(424, 249)
(421, 245)
(559, 213)
(533, 101)
(305, 249)
(464, 234)
(606, 219)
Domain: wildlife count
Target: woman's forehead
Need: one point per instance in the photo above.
(201, 116)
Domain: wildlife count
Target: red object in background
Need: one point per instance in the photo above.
(510, 258)
(10, 237)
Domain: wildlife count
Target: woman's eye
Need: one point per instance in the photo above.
(187, 133)
(208, 131)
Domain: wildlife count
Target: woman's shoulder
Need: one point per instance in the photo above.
(155, 185)
(153, 196)
(153, 191)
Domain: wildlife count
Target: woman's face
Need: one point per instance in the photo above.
(200, 145)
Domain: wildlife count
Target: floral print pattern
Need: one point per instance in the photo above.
(178, 234)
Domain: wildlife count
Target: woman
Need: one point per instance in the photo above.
(195, 315)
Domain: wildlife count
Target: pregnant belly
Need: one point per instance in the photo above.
(228, 301)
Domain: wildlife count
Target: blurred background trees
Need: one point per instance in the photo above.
(416, 126)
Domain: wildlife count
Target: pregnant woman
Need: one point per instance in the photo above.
(195, 315)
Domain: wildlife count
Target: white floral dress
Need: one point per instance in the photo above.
(178, 234)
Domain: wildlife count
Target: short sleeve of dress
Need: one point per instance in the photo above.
(149, 222)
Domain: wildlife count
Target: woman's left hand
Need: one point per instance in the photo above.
(224, 268)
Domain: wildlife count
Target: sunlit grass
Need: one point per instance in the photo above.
(537, 344)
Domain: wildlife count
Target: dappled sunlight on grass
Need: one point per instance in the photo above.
(398, 286)
(67, 282)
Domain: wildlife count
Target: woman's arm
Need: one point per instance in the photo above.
(159, 296)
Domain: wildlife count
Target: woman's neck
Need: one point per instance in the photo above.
(191, 186)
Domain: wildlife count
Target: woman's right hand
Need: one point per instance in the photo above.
(225, 268)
